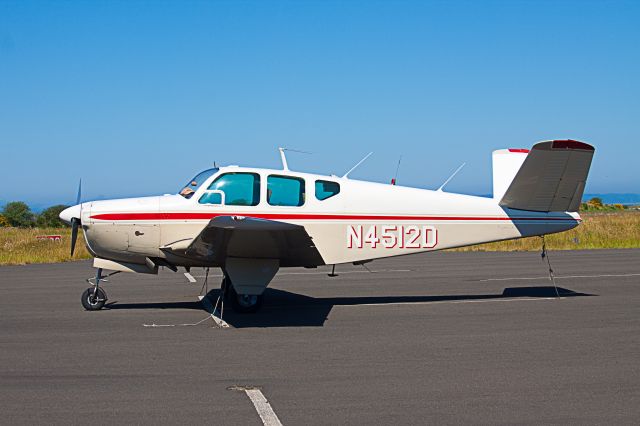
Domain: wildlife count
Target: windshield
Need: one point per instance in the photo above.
(192, 186)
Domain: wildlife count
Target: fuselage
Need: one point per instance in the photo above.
(348, 220)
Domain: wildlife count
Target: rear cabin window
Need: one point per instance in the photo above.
(285, 191)
(239, 189)
(326, 189)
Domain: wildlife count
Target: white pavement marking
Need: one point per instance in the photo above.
(266, 413)
(562, 277)
(205, 301)
(190, 277)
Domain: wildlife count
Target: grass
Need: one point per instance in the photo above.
(602, 230)
(19, 246)
(599, 230)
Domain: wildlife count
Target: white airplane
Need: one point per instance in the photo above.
(250, 222)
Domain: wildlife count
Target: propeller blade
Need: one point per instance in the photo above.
(79, 192)
(75, 222)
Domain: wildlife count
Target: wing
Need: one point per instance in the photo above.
(247, 237)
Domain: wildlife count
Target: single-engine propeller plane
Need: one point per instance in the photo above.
(251, 222)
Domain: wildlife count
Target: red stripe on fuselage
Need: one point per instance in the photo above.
(288, 216)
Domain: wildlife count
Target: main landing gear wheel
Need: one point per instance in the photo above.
(244, 303)
(93, 299)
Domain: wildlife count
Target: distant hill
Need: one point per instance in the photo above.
(35, 207)
(614, 198)
(610, 198)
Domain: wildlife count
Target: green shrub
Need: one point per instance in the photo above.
(49, 218)
(18, 214)
(596, 202)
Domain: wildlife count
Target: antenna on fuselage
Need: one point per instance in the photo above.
(283, 156)
(395, 178)
(345, 176)
(451, 177)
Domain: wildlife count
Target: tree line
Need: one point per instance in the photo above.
(596, 204)
(19, 214)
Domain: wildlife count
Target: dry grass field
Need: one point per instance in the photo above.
(599, 230)
(603, 230)
(19, 246)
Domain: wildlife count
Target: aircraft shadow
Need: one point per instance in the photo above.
(196, 305)
(286, 309)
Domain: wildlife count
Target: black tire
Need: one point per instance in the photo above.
(91, 304)
(244, 304)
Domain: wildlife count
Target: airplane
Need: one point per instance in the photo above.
(250, 222)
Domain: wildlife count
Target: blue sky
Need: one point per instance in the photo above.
(134, 97)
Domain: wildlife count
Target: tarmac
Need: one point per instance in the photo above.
(432, 338)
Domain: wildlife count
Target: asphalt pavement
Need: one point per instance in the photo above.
(433, 338)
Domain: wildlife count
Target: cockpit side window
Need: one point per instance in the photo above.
(192, 186)
(326, 189)
(285, 191)
(233, 189)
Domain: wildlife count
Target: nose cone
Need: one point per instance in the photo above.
(67, 214)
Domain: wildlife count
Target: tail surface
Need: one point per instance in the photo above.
(552, 177)
(506, 163)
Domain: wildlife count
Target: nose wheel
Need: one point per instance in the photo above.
(94, 298)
